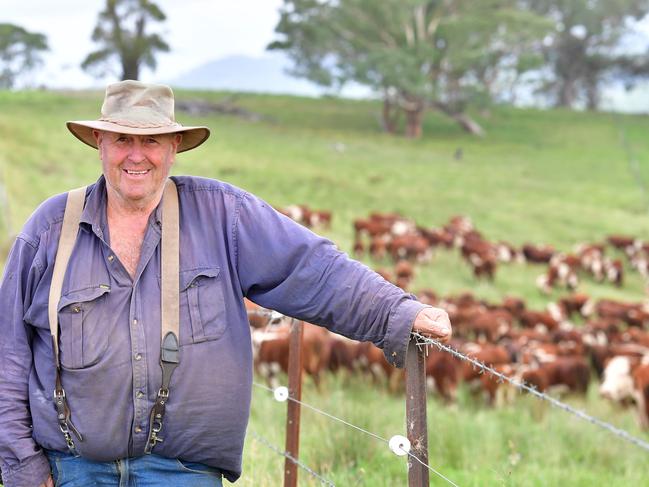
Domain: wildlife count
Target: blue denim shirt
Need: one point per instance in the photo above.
(233, 245)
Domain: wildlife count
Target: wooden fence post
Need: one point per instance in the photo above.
(416, 414)
(293, 412)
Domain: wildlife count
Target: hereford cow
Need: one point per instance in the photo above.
(443, 370)
(271, 349)
(538, 254)
(626, 381)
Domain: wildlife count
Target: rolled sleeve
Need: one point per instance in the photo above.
(30, 473)
(400, 324)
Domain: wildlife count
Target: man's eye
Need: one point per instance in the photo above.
(121, 139)
(151, 141)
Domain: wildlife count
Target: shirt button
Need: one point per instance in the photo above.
(138, 356)
(111, 258)
(138, 429)
(134, 322)
(139, 394)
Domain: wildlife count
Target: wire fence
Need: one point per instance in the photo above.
(358, 428)
(286, 454)
(425, 342)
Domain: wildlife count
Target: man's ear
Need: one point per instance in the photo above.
(178, 138)
(98, 135)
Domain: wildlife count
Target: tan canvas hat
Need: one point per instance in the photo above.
(135, 108)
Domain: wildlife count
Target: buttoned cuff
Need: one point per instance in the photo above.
(400, 323)
(30, 473)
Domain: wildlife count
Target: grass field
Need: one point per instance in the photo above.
(554, 177)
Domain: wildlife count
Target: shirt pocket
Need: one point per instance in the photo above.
(202, 304)
(83, 336)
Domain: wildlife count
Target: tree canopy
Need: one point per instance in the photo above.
(20, 52)
(444, 54)
(455, 55)
(121, 32)
(585, 48)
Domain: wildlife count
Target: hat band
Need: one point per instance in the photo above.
(143, 125)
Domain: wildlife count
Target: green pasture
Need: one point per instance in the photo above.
(555, 177)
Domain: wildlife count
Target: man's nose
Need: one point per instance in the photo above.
(136, 154)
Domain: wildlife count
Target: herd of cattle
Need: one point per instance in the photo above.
(397, 237)
(543, 348)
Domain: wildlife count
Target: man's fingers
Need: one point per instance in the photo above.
(433, 322)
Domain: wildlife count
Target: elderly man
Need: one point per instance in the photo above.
(90, 387)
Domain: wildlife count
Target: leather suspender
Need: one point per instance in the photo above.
(71, 217)
(170, 312)
(170, 315)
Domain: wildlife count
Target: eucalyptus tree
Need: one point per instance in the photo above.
(20, 52)
(587, 46)
(417, 54)
(121, 32)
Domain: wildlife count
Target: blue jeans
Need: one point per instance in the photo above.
(145, 471)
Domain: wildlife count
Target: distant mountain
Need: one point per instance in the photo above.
(265, 74)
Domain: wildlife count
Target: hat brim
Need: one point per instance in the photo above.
(192, 136)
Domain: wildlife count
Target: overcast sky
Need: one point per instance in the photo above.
(198, 31)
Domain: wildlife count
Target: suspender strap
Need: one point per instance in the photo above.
(170, 314)
(69, 230)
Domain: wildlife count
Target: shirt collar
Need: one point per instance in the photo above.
(94, 216)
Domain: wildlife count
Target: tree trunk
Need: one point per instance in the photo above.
(130, 69)
(390, 115)
(567, 93)
(466, 122)
(592, 96)
(414, 118)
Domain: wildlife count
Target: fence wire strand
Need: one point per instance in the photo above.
(286, 454)
(423, 341)
(369, 433)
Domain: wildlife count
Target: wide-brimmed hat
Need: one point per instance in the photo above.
(135, 108)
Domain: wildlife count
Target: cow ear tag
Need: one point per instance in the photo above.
(400, 445)
(281, 393)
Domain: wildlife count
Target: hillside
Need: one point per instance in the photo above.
(553, 177)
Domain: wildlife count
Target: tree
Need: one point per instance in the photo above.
(19, 52)
(418, 54)
(585, 48)
(121, 31)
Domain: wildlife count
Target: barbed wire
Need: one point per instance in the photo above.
(369, 433)
(286, 454)
(425, 341)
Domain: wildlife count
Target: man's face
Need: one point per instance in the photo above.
(136, 166)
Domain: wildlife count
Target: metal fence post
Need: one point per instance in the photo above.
(416, 427)
(293, 408)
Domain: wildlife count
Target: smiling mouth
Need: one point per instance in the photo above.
(136, 173)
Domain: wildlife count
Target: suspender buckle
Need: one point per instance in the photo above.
(63, 417)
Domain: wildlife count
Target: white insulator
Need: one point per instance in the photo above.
(400, 445)
(281, 393)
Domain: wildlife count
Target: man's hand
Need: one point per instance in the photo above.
(433, 323)
(48, 483)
